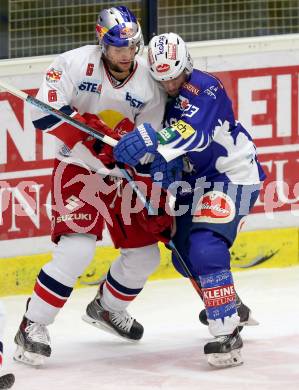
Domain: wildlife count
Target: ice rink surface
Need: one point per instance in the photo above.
(170, 355)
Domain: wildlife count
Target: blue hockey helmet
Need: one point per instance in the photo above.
(118, 26)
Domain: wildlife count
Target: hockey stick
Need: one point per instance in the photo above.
(81, 126)
(195, 283)
(59, 114)
(110, 141)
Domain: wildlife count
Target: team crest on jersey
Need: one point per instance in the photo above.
(53, 75)
(215, 207)
(181, 103)
(184, 103)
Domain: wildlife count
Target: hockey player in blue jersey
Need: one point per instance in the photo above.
(209, 161)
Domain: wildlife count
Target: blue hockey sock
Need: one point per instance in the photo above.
(219, 294)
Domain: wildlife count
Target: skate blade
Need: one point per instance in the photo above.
(105, 328)
(250, 321)
(6, 381)
(223, 360)
(29, 358)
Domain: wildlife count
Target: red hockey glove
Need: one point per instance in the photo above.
(160, 225)
(97, 124)
(102, 151)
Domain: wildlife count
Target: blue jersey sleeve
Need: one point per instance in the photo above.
(193, 128)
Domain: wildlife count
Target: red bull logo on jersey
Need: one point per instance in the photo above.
(53, 75)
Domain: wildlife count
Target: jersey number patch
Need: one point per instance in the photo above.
(52, 95)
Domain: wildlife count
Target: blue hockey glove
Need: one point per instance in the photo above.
(166, 173)
(134, 145)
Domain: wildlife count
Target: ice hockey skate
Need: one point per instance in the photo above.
(33, 343)
(117, 323)
(243, 312)
(6, 381)
(225, 351)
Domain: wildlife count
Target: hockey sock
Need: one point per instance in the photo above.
(220, 301)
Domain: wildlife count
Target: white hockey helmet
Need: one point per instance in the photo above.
(168, 57)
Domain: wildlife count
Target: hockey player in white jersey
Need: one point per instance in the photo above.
(6, 380)
(109, 81)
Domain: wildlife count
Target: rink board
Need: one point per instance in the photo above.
(261, 76)
(252, 250)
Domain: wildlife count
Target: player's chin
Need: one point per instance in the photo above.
(173, 93)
